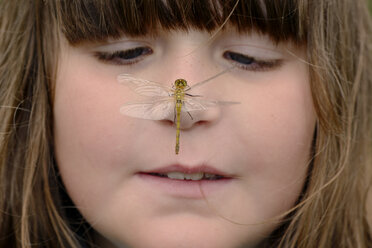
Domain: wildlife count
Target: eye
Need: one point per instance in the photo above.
(250, 63)
(124, 57)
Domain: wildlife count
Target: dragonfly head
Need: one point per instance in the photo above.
(180, 83)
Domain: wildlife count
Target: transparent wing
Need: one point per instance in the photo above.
(144, 87)
(152, 109)
(197, 103)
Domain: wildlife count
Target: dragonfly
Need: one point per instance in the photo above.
(162, 99)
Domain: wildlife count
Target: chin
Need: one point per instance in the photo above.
(192, 232)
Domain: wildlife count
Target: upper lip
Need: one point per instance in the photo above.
(188, 170)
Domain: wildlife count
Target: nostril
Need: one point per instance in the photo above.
(202, 122)
(167, 122)
(194, 118)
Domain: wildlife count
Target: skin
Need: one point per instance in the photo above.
(264, 142)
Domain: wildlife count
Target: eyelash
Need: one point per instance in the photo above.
(132, 56)
(250, 63)
(124, 57)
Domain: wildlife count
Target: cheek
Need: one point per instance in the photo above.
(83, 115)
(89, 131)
(279, 112)
(277, 122)
(283, 124)
(289, 118)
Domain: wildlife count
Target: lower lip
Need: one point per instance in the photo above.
(193, 189)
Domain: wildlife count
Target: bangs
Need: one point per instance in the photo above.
(97, 20)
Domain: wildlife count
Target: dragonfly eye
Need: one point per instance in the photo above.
(180, 83)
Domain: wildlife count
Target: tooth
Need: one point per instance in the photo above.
(182, 176)
(207, 175)
(194, 176)
(176, 175)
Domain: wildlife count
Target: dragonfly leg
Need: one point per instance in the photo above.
(187, 94)
(190, 115)
(174, 116)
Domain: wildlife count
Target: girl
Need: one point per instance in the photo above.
(286, 167)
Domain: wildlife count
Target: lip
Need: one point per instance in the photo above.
(189, 170)
(198, 189)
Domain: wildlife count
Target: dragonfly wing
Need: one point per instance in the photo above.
(153, 109)
(197, 103)
(144, 87)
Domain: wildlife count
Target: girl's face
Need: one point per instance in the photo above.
(118, 170)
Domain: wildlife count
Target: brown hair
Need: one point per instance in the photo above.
(331, 212)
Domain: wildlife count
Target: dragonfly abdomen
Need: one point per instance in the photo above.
(179, 95)
(178, 124)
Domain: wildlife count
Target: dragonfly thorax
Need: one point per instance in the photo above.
(180, 83)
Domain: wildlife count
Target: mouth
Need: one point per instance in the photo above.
(180, 172)
(176, 175)
(186, 182)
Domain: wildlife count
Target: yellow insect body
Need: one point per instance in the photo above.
(179, 95)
